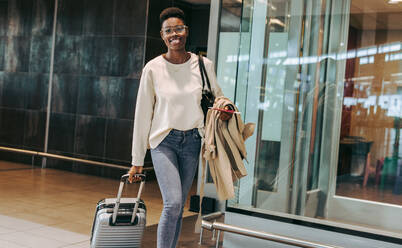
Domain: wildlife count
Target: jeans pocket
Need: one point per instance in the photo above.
(196, 135)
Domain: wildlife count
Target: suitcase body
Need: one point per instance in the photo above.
(114, 225)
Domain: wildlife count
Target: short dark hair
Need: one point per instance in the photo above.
(171, 12)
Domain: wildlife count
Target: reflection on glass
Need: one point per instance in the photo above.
(369, 150)
(272, 92)
(328, 105)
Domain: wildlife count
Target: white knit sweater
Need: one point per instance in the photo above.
(168, 98)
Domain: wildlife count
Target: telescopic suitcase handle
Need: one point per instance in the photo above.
(124, 180)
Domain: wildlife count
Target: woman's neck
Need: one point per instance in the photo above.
(177, 57)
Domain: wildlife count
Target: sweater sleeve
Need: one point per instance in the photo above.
(216, 89)
(143, 117)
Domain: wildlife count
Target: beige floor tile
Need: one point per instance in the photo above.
(36, 218)
(31, 240)
(8, 244)
(4, 230)
(81, 228)
(85, 244)
(60, 235)
(17, 224)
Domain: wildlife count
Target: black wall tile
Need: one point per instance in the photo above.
(70, 16)
(3, 17)
(84, 168)
(92, 96)
(118, 139)
(11, 126)
(61, 132)
(14, 91)
(60, 164)
(127, 57)
(64, 93)
(67, 54)
(40, 54)
(17, 54)
(96, 55)
(16, 157)
(90, 135)
(98, 17)
(1, 86)
(37, 91)
(3, 41)
(119, 161)
(130, 17)
(122, 98)
(155, 47)
(199, 27)
(20, 17)
(42, 17)
(34, 130)
(148, 159)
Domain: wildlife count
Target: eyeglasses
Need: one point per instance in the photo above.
(176, 29)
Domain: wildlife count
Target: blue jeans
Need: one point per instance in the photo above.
(175, 162)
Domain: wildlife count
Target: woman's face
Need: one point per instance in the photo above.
(174, 33)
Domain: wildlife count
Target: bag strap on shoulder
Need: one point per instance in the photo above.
(203, 72)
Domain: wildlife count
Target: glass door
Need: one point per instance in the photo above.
(322, 81)
(259, 94)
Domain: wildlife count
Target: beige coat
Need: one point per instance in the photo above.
(224, 148)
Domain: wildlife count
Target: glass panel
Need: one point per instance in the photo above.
(271, 98)
(369, 150)
(322, 79)
(228, 48)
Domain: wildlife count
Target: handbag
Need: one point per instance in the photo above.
(208, 98)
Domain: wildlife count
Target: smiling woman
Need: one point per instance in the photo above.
(169, 120)
(174, 33)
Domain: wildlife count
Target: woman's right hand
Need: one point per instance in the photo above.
(134, 170)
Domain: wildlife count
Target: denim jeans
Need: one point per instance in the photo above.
(175, 162)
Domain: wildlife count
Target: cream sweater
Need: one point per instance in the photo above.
(169, 97)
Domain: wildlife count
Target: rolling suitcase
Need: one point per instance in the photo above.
(119, 222)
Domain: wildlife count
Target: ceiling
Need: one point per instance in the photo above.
(197, 2)
(365, 14)
(358, 6)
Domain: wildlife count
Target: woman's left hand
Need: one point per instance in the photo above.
(224, 116)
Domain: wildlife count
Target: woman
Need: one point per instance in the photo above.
(169, 119)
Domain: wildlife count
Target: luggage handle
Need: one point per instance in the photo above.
(124, 180)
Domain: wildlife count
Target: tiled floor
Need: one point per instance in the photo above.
(54, 208)
(18, 233)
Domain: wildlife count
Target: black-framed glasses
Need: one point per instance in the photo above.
(180, 29)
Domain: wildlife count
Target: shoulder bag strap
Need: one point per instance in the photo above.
(203, 71)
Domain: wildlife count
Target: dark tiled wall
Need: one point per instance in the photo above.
(25, 40)
(99, 54)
